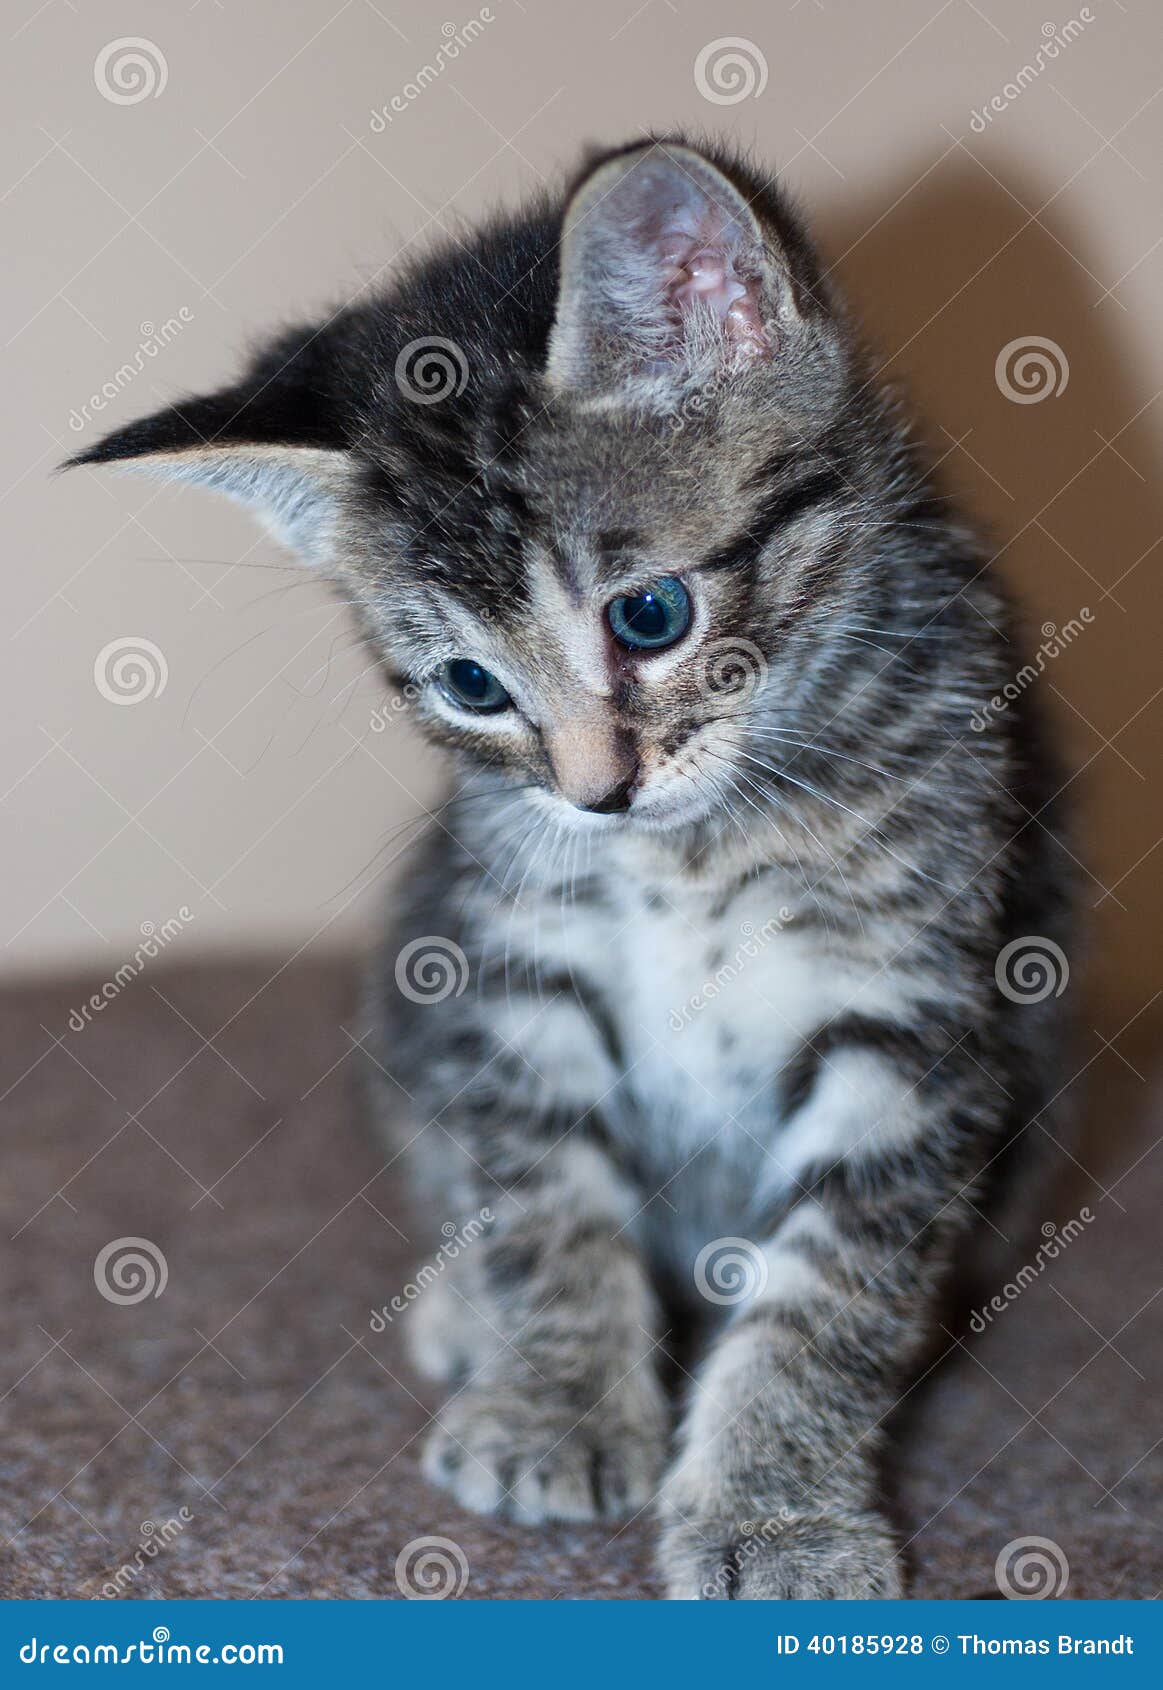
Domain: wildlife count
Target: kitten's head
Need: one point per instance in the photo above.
(592, 479)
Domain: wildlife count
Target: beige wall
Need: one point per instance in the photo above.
(253, 186)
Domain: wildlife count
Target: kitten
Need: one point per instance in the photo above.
(692, 983)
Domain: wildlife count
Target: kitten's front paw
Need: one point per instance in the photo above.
(533, 1458)
(825, 1557)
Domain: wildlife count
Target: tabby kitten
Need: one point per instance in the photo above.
(638, 535)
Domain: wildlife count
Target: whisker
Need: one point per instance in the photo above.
(873, 830)
(813, 835)
(824, 750)
(733, 776)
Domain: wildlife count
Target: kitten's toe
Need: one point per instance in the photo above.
(531, 1461)
(809, 1558)
(584, 1479)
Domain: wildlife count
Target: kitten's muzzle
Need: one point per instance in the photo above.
(617, 800)
(593, 760)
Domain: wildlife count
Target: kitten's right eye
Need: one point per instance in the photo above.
(472, 687)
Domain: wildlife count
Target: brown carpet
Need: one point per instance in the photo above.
(253, 1395)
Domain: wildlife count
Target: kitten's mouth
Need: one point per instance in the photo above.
(665, 801)
(673, 811)
(645, 814)
(663, 812)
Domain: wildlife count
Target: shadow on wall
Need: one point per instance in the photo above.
(954, 273)
(951, 276)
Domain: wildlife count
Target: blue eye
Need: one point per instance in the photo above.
(657, 616)
(472, 687)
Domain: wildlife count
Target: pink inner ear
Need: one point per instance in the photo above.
(701, 267)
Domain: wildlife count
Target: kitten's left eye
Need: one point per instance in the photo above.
(472, 687)
(657, 616)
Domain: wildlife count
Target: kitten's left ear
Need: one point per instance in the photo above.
(665, 271)
(271, 441)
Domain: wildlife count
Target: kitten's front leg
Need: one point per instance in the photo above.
(774, 1490)
(562, 1415)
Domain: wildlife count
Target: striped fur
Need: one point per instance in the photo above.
(760, 1005)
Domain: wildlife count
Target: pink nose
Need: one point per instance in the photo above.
(617, 799)
(594, 761)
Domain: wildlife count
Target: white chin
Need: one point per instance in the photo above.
(666, 814)
(651, 814)
(577, 821)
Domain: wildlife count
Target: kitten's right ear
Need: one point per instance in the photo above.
(274, 441)
(667, 277)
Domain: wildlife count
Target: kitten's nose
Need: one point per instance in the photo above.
(594, 762)
(617, 799)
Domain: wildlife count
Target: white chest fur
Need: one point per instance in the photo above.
(704, 999)
(713, 1006)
